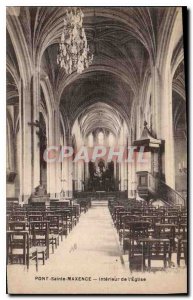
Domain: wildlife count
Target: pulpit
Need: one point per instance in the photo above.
(147, 185)
(149, 172)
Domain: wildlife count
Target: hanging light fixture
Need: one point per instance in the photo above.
(74, 53)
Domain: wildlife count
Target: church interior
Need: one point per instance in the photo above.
(95, 77)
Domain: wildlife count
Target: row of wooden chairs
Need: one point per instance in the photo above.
(32, 230)
(150, 233)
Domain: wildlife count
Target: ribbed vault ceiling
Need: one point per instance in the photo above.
(124, 41)
(100, 115)
(113, 79)
(96, 87)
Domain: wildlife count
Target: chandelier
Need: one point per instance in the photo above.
(74, 53)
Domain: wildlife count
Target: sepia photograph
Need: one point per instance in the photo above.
(96, 150)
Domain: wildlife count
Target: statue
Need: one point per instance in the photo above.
(40, 190)
(39, 195)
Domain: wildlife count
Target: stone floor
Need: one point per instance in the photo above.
(90, 260)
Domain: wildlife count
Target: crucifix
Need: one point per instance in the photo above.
(36, 123)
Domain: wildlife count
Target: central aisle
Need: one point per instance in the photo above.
(92, 246)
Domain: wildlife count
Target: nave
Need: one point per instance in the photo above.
(96, 171)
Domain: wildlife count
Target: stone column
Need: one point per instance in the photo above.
(55, 174)
(26, 145)
(69, 168)
(65, 174)
(86, 174)
(58, 171)
(132, 184)
(35, 91)
(129, 181)
(163, 118)
(122, 176)
(156, 100)
(51, 166)
(166, 121)
(80, 174)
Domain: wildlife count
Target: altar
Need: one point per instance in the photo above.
(101, 177)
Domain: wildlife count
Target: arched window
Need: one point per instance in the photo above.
(111, 139)
(101, 138)
(90, 140)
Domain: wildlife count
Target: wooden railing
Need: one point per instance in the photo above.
(169, 195)
(154, 188)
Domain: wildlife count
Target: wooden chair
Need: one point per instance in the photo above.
(83, 205)
(18, 217)
(54, 230)
(67, 216)
(152, 220)
(183, 219)
(77, 207)
(19, 211)
(74, 215)
(169, 219)
(155, 249)
(19, 250)
(182, 243)
(136, 230)
(39, 238)
(17, 225)
(67, 220)
(120, 226)
(116, 209)
(64, 216)
(181, 251)
(33, 217)
(166, 231)
(132, 229)
(117, 217)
